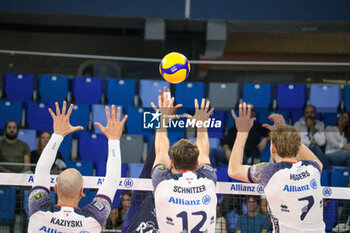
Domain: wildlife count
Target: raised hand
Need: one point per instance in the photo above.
(61, 123)
(114, 128)
(202, 113)
(166, 105)
(244, 122)
(277, 119)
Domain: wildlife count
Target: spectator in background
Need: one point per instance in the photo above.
(338, 138)
(116, 218)
(59, 164)
(232, 207)
(312, 133)
(14, 150)
(252, 149)
(220, 226)
(253, 221)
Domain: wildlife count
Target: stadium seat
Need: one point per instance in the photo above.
(92, 147)
(330, 214)
(131, 147)
(80, 116)
(8, 205)
(53, 88)
(325, 176)
(28, 136)
(120, 91)
(330, 118)
(258, 94)
(339, 176)
(223, 95)
(38, 116)
(149, 91)
(10, 110)
(230, 121)
(325, 98)
(66, 147)
(101, 169)
(19, 86)
(135, 169)
(87, 90)
(218, 115)
(291, 96)
(99, 115)
(84, 167)
(186, 92)
(346, 98)
(134, 124)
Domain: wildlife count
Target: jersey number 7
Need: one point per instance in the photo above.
(307, 208)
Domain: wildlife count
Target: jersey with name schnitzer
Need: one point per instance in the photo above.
(293, 192)
(45, 216)
(185, 202)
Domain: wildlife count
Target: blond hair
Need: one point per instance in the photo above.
(184, 155)
(286, 139)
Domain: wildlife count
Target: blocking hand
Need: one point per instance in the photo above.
(244, 122)
(61, 123)
(277, 119)
(202, 113)
(114, 128)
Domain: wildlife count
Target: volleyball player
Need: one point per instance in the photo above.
(44, 215)
(185, 196)
(292, 186)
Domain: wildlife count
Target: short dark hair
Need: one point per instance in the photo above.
(184, 155)
(11, 121)
(309, 105)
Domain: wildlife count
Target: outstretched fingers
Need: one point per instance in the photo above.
(124, 119)
(57, 109)
(108, 114)
(233, 114)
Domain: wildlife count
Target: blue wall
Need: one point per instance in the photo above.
(284, 10)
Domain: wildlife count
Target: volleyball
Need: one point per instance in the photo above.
(174, 67)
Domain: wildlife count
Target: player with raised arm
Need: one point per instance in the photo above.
(185, 195)
(292, 186)
(44, 215)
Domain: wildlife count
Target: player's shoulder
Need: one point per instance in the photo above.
(312, 163)
(99, 209)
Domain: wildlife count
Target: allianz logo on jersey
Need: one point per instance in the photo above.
(181, 201)
(295, 188)
(152, 120)
(247, 188)
(50, 230)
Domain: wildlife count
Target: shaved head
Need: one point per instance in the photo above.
(69, 184)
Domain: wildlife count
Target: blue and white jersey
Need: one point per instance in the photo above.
(294, 195)
(185, 202)
(45, 216)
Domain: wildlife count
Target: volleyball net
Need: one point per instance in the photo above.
(232, 202)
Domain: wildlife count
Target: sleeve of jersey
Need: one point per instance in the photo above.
(159, 173)
(207, 171)
(99, 208)
(38, 198)
(261, 173)
(46, 160)
(113, 170)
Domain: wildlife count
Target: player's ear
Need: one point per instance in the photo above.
(81, 192)
(171, 164)
(272, 149)
(56, 188)
(197, 165)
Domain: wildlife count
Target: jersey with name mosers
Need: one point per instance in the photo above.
(45, 216)
(185, 202)
(294, 194)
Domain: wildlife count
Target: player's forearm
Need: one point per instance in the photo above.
(113, 170)
(237, 153)
(203, 145)
(162, 147)
(306, 154)
(46, 160)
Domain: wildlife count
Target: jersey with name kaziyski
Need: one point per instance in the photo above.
(185, 202)
(294, 195)
(45, 216)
